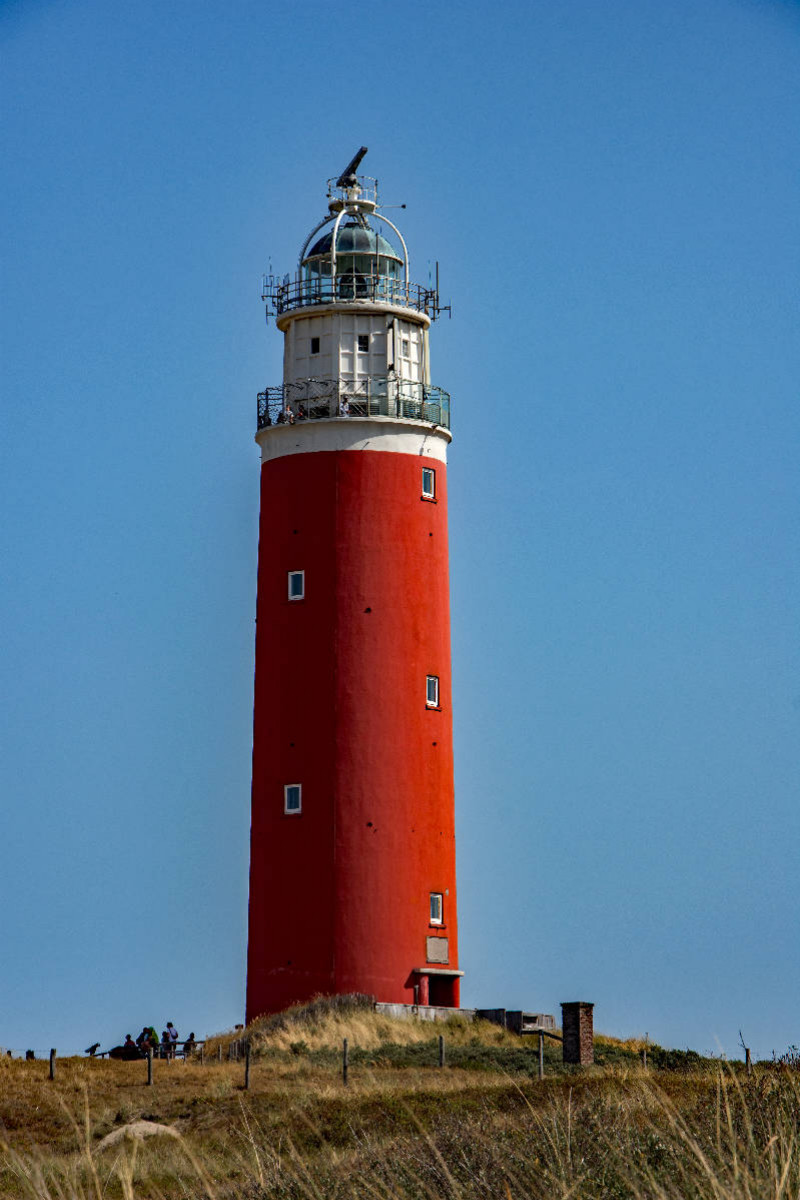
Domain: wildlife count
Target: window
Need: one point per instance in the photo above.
(406, 349)
(432, 691)
(363, 343)
(293, 798)
(297, 585)
(428, 483)
(437, 908)
(315, 345)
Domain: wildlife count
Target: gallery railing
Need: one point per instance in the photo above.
(288, 294)
(377, 396)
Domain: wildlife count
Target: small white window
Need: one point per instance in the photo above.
(293, 798)
(428, 483)
(406, 347)
(297, 585)
(363, 343)
(315, 345)
(437, 908)
(432, 691)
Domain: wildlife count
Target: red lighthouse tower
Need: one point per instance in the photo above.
(352, 869)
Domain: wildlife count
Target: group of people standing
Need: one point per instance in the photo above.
(148, 1040)
(288, 416)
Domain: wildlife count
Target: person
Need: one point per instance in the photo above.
(280, 418)
(301, 413)
(143, 1040)
(344, 406)
(130, 1050)
(189, 1046)
(166, 1044)
(173, 1038)
(289, 415)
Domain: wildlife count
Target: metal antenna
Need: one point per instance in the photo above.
(348, 175)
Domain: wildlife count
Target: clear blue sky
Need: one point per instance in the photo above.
(612, 192)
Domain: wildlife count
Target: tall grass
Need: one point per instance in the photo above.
(482, 1128)
(707, 1136)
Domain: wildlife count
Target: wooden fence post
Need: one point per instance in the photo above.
(344, 1061)
(748, 1061)
(202, 1048)
(441, 1050)
(149, 1068)
(247, 1066)
(219, 1052)
(53, 1064)
(541, 1056)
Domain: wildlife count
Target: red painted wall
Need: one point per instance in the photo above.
(339, 895)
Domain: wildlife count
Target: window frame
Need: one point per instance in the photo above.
(429, 495)
(362, 337)
(431, 679)
(289, 577)
(438, 921)
(292, 812)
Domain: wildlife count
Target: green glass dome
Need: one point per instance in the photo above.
(354, 239)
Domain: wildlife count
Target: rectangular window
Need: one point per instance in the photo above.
(363, 343)
(315, 345)
(293, 798)
(406, 349)
(437, 908)
(432, 691)
(297, 585)
(428, 483)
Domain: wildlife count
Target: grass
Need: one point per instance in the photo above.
(483, 1127)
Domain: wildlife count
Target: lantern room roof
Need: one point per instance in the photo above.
(354, 238)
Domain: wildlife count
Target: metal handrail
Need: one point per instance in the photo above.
(375, 396)
(289, 294)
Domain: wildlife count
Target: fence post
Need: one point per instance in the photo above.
(219, 1052)
(149, 1068)
(747, 1061)
(344, 1061)
(53, 1064)
(202, 1048)
(541, 1056)
(441, 1050)
(247, 1066)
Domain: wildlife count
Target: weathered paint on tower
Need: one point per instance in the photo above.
(352, 873)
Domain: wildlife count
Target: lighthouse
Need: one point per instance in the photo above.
(352, 861)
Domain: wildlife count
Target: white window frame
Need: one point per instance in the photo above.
(431, 679)
(290, 575)
(429, 494)
(437, 904)
(288, 787)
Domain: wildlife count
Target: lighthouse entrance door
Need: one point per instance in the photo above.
(441, 991)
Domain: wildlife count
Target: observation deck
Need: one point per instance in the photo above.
(288, 294)
(376, 396)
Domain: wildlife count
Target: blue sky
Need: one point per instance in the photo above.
(612, 193)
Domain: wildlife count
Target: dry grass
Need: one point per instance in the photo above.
(415, 1132)
(322, 1024)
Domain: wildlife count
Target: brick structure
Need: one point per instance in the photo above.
(577, 1027)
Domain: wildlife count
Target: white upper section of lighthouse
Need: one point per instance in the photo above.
(355, 326)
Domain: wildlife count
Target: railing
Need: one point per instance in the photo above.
(377, 396)
(289, 294)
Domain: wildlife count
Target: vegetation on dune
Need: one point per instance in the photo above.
(482, 1128)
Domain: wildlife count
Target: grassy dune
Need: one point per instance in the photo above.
(403, 1128)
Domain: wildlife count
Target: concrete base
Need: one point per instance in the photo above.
(424, 1012)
